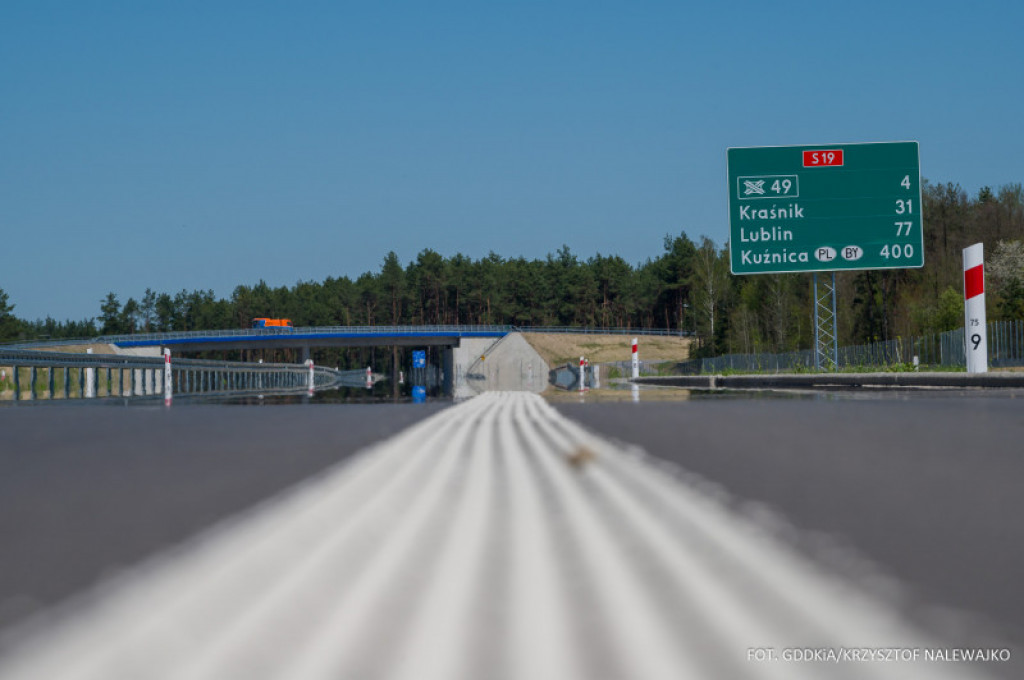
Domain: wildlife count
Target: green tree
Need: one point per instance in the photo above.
(1011, 300)
(110, 315)
(368, 295)
(612, 278)
(165, 313)
(710, 283)
(674, 269)
(147, 310)
(426, 278)
(130, 316)
(392, 285)
(949, 312)
(10, 326)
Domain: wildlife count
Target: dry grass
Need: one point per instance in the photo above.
(97, 348)
(558, 348)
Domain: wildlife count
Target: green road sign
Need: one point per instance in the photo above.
(825, 207)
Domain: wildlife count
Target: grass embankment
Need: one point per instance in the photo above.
(559, 348)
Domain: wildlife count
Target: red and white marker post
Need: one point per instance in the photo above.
(975, 331)
(636, 360)
(583, 374)
(168, 392)
(90, 380)
(369, 378)
(311, 382)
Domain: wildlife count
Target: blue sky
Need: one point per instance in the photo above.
(202, 145)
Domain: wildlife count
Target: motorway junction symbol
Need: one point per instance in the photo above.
(825, 207)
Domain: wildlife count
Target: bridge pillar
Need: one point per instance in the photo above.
(304, 351)
(447, 370)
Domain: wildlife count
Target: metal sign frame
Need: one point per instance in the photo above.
(825, 207)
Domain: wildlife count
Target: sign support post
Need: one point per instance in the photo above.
(826, 350)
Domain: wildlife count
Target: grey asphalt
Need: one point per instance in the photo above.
(927, 487)
(88, 489)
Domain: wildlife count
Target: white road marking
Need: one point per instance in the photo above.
(384, 567)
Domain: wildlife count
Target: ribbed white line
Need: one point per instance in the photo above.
(443, 622)
(336, 645)
(539, 644)
(342, 538)
(820, 610)
(646, 646)
(697, 581)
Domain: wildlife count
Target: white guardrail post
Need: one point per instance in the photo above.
(90, 380)
(168, 382)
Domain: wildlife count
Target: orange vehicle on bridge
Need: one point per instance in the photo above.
(263, 322)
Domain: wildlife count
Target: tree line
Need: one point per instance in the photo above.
(686, 287)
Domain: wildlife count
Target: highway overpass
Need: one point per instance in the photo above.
(309, 337)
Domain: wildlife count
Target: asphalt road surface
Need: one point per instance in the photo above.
(925, 488)
(86, 490)
(752, 527)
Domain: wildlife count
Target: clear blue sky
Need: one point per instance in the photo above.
(203, 145)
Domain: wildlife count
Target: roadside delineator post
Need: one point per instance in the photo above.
(311, 381)
(583, 375)
(168, 390)
(369, 378)
(636, 360)
(90, 379)
(975, 330)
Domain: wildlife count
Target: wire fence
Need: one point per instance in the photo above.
(946, 350)
(624, 369)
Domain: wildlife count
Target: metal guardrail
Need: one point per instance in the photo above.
(70, 376)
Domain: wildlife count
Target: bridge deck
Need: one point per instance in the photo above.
(309, 337)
